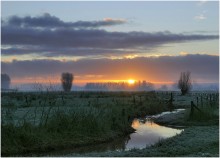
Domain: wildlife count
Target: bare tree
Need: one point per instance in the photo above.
(5, 81)
(185, 83)
(66, 80)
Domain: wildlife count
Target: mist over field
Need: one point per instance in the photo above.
(157, 87)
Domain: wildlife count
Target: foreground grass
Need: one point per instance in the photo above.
(199, 141)
(63, 130)
(71, 124)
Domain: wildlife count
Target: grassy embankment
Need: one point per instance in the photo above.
(38, 122)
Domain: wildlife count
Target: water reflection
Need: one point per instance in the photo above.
(148, 133)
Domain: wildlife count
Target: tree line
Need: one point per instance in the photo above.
(120, 86)
(184, 84)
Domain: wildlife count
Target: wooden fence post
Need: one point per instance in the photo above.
(192, 109)
(133, 99)
(201, 102)
(170, 102)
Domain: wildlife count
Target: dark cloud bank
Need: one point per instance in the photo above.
(166, 68)
(49, 21)
(49, 36)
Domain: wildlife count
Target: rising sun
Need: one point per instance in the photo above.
(130, 81)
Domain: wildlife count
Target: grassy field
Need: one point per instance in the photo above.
(46, 121)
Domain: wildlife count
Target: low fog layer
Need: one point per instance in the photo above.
(157, 87)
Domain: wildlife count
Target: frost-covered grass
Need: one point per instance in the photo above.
(37, 122)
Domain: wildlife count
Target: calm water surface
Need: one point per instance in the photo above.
(148, 133)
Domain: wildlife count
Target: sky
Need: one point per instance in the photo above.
(110, 41)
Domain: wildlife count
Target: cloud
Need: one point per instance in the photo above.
(202, 2)
(162, 69)
(92, 38)
(183, 53)
(202, 32)
(200, 17)
(47, 51)
(87, 39)
(119, 21)
(48, 21)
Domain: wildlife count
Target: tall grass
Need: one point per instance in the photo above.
(74, 128)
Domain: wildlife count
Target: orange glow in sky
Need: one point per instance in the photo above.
(130, 81)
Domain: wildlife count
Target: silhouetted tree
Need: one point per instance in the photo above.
(184, 83)
(66, 80)
(5, 81)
